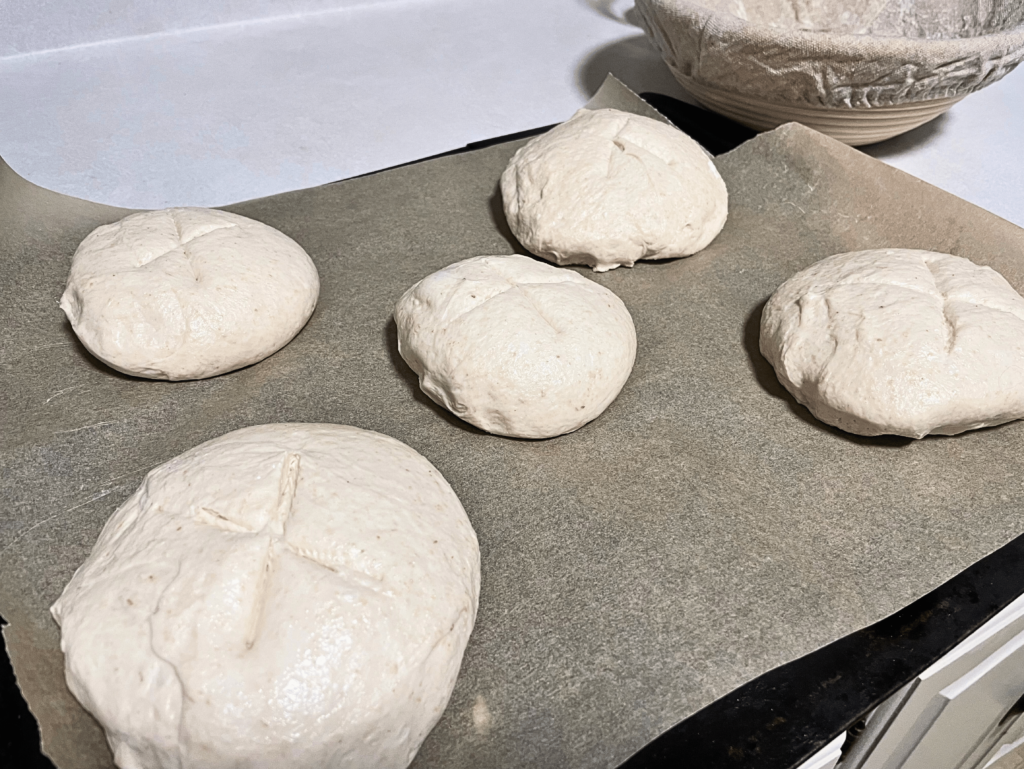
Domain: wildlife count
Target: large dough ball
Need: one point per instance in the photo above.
(608, 188)
(290, 595)
(899, 341)
(188, 293)
(515, 346)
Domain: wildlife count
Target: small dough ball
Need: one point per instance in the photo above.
(608, 188)
(288, 595)
(900, 342)
(188, 293)
(515, 346)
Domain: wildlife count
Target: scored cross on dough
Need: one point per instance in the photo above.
(185, 241)
(899, 341)
(515, 346)
(187, 293)
(274, 529)
(285, 595)
(608, 188)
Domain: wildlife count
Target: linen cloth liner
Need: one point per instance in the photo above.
(834, 54)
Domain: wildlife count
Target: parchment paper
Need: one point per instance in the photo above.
(702, 531)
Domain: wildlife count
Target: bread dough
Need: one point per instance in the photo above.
(515, 346)
(289, 595)
(899, 342)
(608, 188)
(188, 293)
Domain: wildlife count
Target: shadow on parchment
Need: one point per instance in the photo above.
(412, 381)
(497, 209)
(765, 375)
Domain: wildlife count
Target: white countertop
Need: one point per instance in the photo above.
(242, 109)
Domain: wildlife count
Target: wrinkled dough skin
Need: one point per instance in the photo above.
(188, 293)
(899, 342)
(515, 346)
(608, 188)
(290, 595)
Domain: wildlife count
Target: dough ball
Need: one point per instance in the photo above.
(608, 188)
(515, 346)
(290, 595)
(188, 293)
(900, 342)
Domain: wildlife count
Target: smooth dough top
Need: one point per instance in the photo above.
(608, 188)
(289, 595)
(515, 346)
(899, 341)
(188, 293)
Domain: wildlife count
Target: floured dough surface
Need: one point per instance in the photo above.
(608, 188)
(899, 341)
(289, 595)
(188, 293)
(515, 346)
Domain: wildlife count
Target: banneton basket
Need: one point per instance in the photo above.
(858, 70)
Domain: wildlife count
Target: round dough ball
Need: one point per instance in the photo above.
(188, 293)
(515, 346)
(608, 188)
(899, 341)
(289, 595)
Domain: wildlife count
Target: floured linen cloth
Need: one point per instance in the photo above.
(838, 53)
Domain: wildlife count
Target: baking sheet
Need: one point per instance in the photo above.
(704, 530)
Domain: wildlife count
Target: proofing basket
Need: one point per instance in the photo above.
(860, 71)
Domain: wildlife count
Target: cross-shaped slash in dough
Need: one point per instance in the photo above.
(275, 530)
